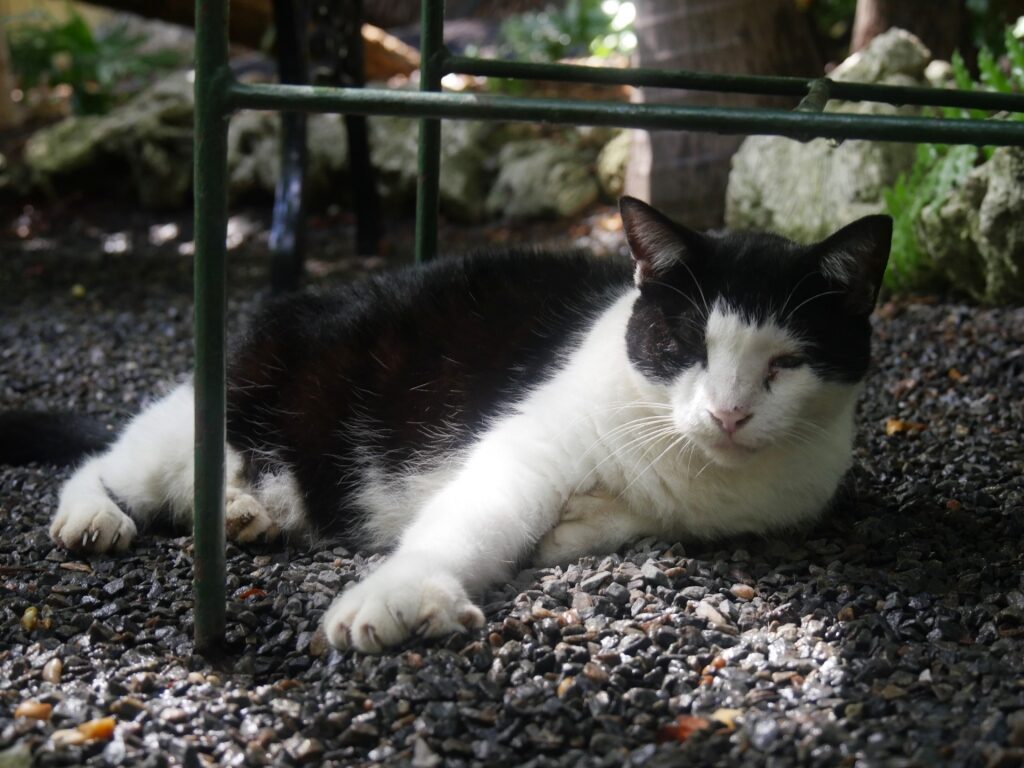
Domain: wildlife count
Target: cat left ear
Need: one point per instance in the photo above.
(655, 241)
(855, 257)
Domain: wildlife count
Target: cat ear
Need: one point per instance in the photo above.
(655, 241)
(855, 258)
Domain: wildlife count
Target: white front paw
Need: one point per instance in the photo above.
(92, 524)
(406, 596)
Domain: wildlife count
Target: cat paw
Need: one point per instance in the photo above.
(246, 520)
(563, 544)
(405, 597)
(92, 524)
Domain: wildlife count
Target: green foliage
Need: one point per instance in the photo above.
(833, 18)
(988, 23)
(938, 168)
(99, 70)
(936, 171)
(573, 28)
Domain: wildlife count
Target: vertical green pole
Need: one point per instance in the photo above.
(211, 127)
(429, 174)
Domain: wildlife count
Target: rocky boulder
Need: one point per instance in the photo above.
(807, 190)
(486, 169)
(543, 177)
(975, 235)
(152, 134)
(394, 148)
(254, 154)
(611, 164)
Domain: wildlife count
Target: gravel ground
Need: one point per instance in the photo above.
(890, 634)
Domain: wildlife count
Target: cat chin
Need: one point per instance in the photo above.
(730, 455)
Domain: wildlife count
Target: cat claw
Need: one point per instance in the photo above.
(371, 632)
(91, 524)
(345, 633)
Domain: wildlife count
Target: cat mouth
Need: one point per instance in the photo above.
(729, 447)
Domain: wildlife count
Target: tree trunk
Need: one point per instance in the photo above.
(685, 173)
(942, 25)
(9, 114)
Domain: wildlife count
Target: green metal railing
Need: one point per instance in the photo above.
(218, 95)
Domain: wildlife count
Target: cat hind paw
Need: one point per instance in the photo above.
(246, 520)
(92, 524)
(399, 601)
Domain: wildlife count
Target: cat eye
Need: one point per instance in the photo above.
(785, 361)
(781, 363)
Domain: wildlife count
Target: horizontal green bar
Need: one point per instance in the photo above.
(723, 83)
(638, 76)
(464, 106)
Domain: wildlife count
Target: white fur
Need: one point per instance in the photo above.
(150, 469)
(597, 455)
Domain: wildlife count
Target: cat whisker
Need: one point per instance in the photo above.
(635, 424)
(811, 426)
(651, 443)
(649, 436)
(782, 312)
(797, 437)
(816, 296)
(672, 288)
(636, 445)
(703, 298)
(673, 444)
(614, 409)
(643, 432)
(701, 471)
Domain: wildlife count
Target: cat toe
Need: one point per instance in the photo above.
(348, 623)
(93, 524)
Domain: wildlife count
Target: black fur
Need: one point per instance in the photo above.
(50, 438)
(403, 367)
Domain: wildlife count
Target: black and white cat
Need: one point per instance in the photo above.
(472, 413)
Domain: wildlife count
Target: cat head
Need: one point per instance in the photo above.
(754, 339)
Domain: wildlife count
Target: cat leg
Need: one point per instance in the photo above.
(148, 468)
(147, 471)
(591, 524)
(469, 534)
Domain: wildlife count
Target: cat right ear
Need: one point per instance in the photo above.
(855, 258)
(655, 241)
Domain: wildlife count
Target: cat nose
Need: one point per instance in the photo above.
(731, 420)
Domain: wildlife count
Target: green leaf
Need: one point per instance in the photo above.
(1015, 53)
(991, 73)
(100, 70)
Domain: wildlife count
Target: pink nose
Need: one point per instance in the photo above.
(730, 421)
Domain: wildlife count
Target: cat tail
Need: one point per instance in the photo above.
(50, 438)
